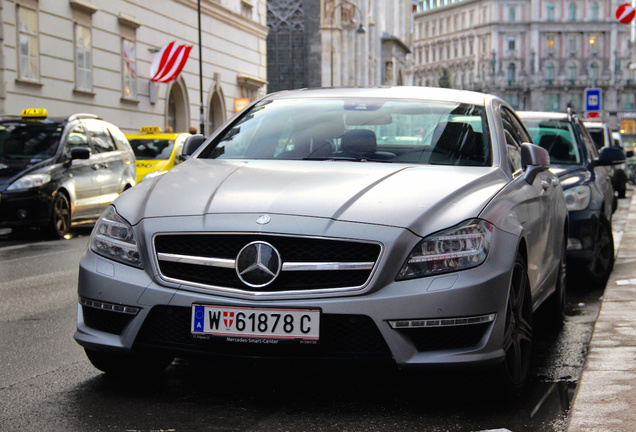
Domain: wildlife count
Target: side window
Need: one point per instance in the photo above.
(76, 138)
(118, 136)
(588, 142)
(515, 135)
(514, 152)
(100, 137)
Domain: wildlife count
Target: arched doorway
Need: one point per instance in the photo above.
(177, 107)
(216, 111)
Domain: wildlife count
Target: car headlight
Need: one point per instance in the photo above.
(458, 248)
(114, 238)
(30, 181)
(578, 197)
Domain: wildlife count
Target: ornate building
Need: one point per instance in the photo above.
(536, 54)
(94, 56)
(338, 43)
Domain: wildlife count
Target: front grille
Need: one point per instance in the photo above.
(106, 320)
(341, 336)
(293, 250)
(446, 338)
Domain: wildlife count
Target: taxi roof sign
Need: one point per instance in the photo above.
(150, 129)
(34, 113)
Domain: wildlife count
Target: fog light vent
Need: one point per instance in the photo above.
(446, 322)
(109, 306)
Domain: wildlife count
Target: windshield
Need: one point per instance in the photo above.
(557, 137)
(24, 140)
(152, 148)
(360, 129)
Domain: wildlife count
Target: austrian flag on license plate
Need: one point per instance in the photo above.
(260, 323)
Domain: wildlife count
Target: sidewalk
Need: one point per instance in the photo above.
(606, 394)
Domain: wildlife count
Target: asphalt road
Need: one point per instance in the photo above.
(47, 384)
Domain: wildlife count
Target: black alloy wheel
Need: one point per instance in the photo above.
(603, 259)
(518, 331)
(60, 217)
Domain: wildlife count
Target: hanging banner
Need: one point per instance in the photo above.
(168, 62)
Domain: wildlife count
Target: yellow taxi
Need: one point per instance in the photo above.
(156, 151)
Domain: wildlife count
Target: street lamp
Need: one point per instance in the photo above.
(201, 109)
(359, 30)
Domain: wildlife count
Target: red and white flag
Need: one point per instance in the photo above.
(169, 62)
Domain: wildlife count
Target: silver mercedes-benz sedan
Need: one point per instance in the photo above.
(415, 225)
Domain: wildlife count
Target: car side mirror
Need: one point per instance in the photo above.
(629, 153)
(610, 156)
(534, 159)
(191, 144)
(80, 153)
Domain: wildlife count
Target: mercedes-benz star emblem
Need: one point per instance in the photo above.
(258, 264)
(263, 219)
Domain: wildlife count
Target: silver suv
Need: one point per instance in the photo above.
(55, 172)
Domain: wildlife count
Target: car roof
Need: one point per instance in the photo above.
(595, 124)
(49, 119)
(548, 115)
(398, 92)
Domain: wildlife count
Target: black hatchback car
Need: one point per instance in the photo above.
(55, 172)
(585, 174)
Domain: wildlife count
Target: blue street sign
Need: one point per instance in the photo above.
(593, 99)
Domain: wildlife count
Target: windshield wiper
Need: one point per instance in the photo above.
(347, 158)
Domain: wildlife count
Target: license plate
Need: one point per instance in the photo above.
(255, 323)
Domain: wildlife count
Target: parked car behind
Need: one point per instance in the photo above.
(586, 179)
(602, 136)
(60, 171)
(156, 151)
(291, 233)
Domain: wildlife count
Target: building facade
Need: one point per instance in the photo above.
(94, 56)
(334, 43)
(536, 54)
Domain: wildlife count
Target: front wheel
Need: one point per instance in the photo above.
(518, 331)
(60, 221)
(603, 258)
(129, 364)
(621, 184)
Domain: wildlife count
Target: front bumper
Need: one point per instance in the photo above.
(25, 208)
(448, 311)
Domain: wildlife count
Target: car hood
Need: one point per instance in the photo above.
(10, 169)
(399, 195)
(571, 175)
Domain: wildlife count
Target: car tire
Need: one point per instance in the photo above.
(129, 364)
(556, 302)
(621, 184)
(60, 222)
(518, 330)
(603, 258)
